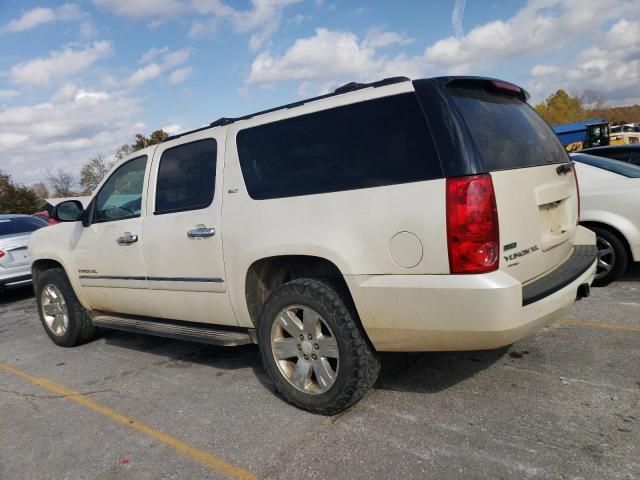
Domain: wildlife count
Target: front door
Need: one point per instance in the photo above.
(182, 237)
(107, 255)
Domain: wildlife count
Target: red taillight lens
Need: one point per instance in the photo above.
(2, 254)
(575, 176)
(472, 225)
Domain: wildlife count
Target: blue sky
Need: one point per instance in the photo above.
(81, 78)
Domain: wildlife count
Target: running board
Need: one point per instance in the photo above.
(172, 329)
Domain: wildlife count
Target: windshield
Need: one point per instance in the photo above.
(18, 225)
(506, 131)
(614, 166)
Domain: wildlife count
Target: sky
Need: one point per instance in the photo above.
(78, 79)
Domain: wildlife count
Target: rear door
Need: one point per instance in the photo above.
(182, 233)
(535, 187)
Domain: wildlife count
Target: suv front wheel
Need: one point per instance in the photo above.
(63, 317)
(313, 347)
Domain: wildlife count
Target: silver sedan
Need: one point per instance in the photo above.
(15, 231)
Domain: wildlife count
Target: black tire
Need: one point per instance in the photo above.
(359, 363)
(620, 258)
(80, 328)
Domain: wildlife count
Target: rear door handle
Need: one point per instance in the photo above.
(201, 232)
(127, 238)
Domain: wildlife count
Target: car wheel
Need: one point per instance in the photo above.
(313, 347)
(63, 317)
(612, 257)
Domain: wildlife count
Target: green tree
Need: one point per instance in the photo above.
(93, 172)
(140, 141)
(561, 107)
(16, 198)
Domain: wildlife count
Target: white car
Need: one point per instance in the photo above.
(438, 214)
(610, 206)
(15, 231)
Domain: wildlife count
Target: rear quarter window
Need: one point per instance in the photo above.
(368, 144)
(505, 130)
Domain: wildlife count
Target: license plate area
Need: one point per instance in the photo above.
(555, 223)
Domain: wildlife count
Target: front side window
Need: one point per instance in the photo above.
(186, 177)
(121, 196)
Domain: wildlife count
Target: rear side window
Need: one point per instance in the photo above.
(186, 177)
(506, 131)
(18, 225)
(622, 156)
(362, 145)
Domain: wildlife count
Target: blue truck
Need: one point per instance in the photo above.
(594, 132)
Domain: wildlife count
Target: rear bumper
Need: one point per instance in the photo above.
(463, 312)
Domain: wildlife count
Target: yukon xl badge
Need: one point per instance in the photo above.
(521, 253)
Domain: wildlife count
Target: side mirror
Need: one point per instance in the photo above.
(69, 211)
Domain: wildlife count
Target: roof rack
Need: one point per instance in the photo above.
(349, 87)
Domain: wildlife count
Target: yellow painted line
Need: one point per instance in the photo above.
(616, 327)
(196, 454)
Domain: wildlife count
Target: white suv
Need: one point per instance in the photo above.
(438, 214)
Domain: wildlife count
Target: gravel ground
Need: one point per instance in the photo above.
(564, 403)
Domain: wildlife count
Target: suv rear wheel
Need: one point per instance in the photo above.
(63, 317)
(314, 349)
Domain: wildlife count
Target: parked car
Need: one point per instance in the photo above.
(610, 206)
(47, 208)
(623, 153)
(15, 230)
(438, 214)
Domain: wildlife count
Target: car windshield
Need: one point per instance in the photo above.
(18, 225)
(614, 166)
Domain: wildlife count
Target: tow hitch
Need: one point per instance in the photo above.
(583, 291)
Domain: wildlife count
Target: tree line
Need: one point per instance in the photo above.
(16, 198)
(563, 107)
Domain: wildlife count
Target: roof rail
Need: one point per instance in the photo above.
(349, 87)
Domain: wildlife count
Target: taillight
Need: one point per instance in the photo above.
(2, 254)
(472, 225)
(575, 176)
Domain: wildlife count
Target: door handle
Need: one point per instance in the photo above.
(127, 238)
(201, 232)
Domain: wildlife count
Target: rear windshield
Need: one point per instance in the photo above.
(17, 225)
(614, 166)
(506, 131)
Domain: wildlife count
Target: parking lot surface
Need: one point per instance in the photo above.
(564, 403)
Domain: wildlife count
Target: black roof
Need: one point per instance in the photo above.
(349, 87)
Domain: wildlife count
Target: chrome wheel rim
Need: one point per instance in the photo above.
(606, 257)
(305, 349)
(54, 310)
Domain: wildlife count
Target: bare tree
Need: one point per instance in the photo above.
(61, 183)
(40, 189)
(592, 99)
(93, 172)
(123, 151)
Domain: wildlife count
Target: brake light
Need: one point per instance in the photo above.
(507, 87)
(575, 176)
(472, 225)
(2, 254)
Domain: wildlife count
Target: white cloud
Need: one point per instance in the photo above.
(263, 17)
(66, 130)
(58, 65)
(334, 54)
(379, 38)
(173, 129)
(30, 19)
(456, 17)
(538, 27)
(611, 67)
(165, 60)
(8, 94)
(138, 9)
(144, 74)
(180, 75)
